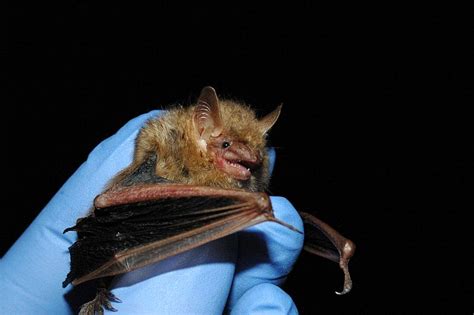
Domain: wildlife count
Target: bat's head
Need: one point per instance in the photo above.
(233, 139)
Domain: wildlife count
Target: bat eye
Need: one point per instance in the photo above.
(225, 144)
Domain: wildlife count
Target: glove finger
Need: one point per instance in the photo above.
(194, 282)
(268, 251)
(263, 299)
(34, 267)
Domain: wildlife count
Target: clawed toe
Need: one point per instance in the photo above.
(102, 300)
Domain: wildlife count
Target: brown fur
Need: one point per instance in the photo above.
(172, 138)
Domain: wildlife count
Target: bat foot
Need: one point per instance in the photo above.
(102, 300)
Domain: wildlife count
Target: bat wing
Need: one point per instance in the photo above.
(323, 240)
(137, 225)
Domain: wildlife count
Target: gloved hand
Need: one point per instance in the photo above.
(242, 271)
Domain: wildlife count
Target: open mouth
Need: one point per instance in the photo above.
(239, 169)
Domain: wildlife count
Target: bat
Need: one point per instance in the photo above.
(199, 173)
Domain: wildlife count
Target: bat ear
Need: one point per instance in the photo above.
(207, 116)
(269, 120)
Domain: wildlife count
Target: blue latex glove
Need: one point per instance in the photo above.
(242, 271)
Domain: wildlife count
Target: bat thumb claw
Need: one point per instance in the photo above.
(344, 264)
(69, 229)
(344, 291)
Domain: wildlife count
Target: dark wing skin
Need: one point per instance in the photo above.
(324, 241)
(137, 225)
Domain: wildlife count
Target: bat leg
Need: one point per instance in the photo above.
(102, 300)
(324, 241)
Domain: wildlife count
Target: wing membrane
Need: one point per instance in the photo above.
(148, 223)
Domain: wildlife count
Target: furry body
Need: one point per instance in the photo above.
(182, 159)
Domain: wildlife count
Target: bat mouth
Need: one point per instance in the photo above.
(238, 169)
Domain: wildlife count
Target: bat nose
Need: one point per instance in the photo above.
(243, 153)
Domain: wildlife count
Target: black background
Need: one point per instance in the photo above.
(373, 137)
